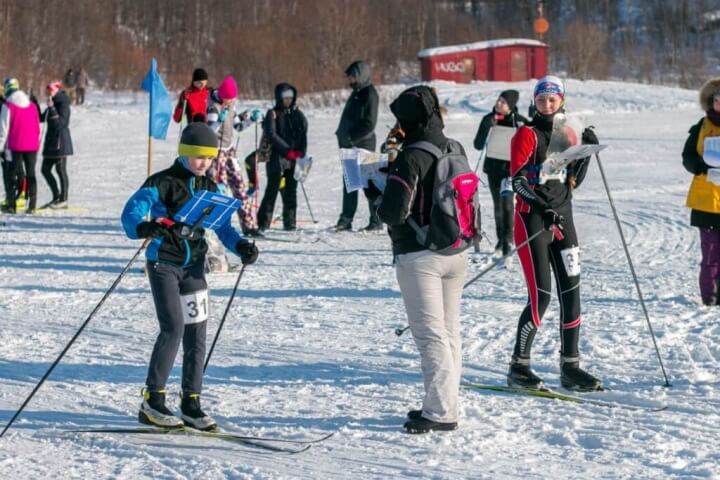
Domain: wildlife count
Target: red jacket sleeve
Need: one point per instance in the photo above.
(522, 148)
(178, 113)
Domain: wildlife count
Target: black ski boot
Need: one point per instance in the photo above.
(423, 425)
(50, 203)
(192, 414)
(154, 412)
(573, 377)
(521, 376)
(254, 232)
(343, 226)
(371, 227)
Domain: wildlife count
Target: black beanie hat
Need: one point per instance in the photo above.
(511, 97)
(199, 74)
(198, 140)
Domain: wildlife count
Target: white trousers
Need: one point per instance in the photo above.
(431, 287)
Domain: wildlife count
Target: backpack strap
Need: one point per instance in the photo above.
(420, 232)
(426, 146)
(433, 150)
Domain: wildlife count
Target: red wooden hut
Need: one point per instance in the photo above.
(507, 60)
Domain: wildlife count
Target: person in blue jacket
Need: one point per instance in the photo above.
(175, 267)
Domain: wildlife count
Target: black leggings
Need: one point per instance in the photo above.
(503, 210)
(544, 253)
(26, 160)
(9, 182)
(288, 194)
(60, 164)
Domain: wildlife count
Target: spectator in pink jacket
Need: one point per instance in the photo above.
(20, 135)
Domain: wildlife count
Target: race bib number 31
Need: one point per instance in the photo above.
(195, 307)
(571, 260)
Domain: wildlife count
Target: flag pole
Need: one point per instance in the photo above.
(149, 160)
(150, 121)
(160, 111)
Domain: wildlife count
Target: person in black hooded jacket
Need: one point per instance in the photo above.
(504, 114)
(431, 283)
(357, 129)
(286, 128)
(58, 144)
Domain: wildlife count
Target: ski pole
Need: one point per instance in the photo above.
(480, 160)
(307, 201)
(483, 154)
(180, 125)
(75, 337)
(500, 259)
(399, 331)
(632, 268)
(222, 320)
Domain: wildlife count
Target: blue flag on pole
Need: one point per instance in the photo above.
(160, 103)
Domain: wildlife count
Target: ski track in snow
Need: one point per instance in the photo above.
(309, 348)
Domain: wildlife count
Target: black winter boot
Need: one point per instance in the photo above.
(289, 222)
(414, 414)
(423, 425)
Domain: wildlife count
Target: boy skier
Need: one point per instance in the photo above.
(176, 257)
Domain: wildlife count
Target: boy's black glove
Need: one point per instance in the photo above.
(551, 217)
(187, 232)
(248, 252)
(151, 229)
(589, 137)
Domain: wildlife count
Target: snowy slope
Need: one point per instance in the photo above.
(309, 347)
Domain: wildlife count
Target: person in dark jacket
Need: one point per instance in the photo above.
(357, 129)
(285, 127)
(81, 82)
(704, 195)
(504, 114)
(175, 268)
(58, 144)
(431, 284)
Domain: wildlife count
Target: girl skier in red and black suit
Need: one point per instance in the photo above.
(544, 202)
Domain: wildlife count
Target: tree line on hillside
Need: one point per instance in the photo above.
(311, 41)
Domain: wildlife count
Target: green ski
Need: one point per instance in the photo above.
(553, 395)
(265, 443)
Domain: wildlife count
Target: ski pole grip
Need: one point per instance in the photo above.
(557, 233)
(165, 222)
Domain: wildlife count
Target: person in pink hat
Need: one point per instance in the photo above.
(20, 134)
(225, 120)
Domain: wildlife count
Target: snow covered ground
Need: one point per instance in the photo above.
(309, 347)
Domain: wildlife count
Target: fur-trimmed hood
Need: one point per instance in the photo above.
(707, 91)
